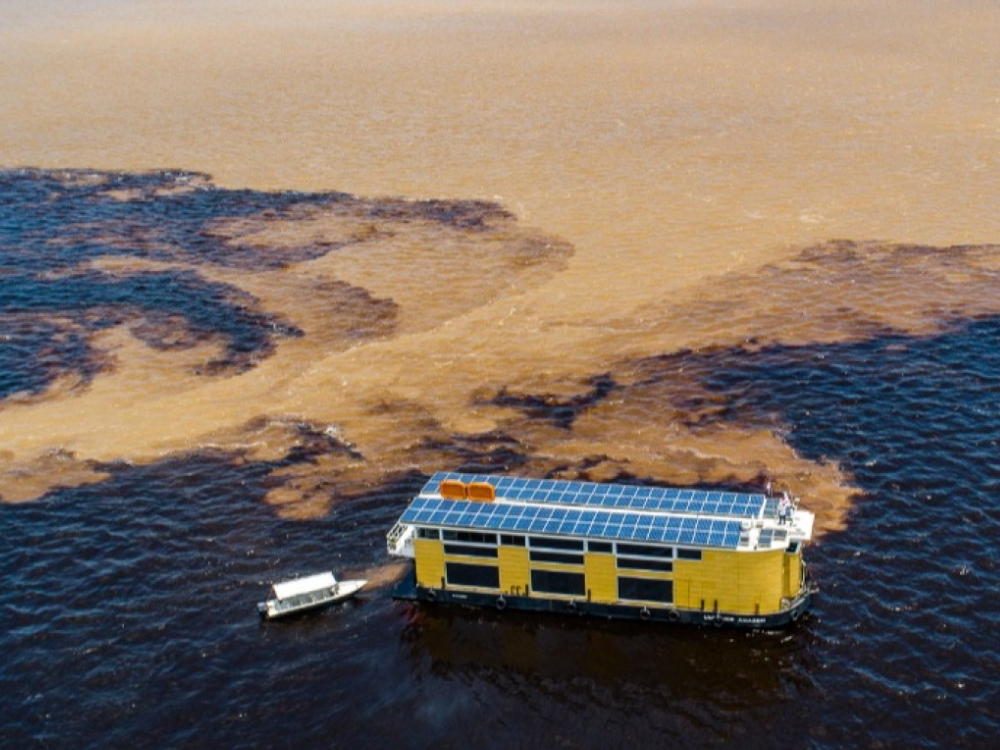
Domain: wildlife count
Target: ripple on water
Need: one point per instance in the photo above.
(128, 613)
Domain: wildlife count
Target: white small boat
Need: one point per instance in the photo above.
(311, 592)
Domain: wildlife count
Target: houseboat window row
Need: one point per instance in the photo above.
(562, 583)
(480, 576)
(469, 550)
(561, 558)
(638, 563)
(558, 582)
(555, 557)
(547, 542)
(645, 589)
(630, 555)
(645, 550)
(469, 536)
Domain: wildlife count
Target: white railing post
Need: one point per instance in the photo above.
(395, 539)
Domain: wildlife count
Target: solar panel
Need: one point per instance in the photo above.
(614, 524)
(620, 496)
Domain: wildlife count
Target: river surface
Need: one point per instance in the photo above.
(266, 266)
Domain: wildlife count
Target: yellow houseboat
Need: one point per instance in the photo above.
(610, 550)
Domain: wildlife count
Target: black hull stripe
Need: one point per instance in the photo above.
(407, 590)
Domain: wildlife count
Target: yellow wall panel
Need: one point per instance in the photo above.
(760, 583)
(514, 575)
(429, 562)
(682, 592)
(602, 581)
(736, 582)
(793, 575)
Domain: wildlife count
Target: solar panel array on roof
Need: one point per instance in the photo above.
(770, 536)
(596, 523)
(620, 496)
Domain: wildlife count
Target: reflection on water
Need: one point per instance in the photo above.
(746, 666)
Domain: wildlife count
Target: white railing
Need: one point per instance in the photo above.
(399, 540)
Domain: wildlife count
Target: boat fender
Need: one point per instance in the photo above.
(796, 614)
(431, 595)
(501, 603)
(673, 615)
(572, 605)
(644, 613)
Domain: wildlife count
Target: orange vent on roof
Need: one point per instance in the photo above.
(453, 489)
(482, 491)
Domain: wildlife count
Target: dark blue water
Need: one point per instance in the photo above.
(127, 611)
(906, 632)
(53, 223)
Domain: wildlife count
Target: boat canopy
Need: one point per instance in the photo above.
(304, 585)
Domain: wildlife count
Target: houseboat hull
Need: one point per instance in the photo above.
(409, 590)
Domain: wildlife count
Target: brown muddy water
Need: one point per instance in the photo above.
(267, 265)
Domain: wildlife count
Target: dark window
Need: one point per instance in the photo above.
(599, 546)
(483, 576)
(645, 590)
(470, 536)
(428, 533)
(645, 550)
(465, 549)
(549, 543)
(688, 554)
(793, 548)
(636, 564)
(509, 540)
(557, 582)
(556, 557)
